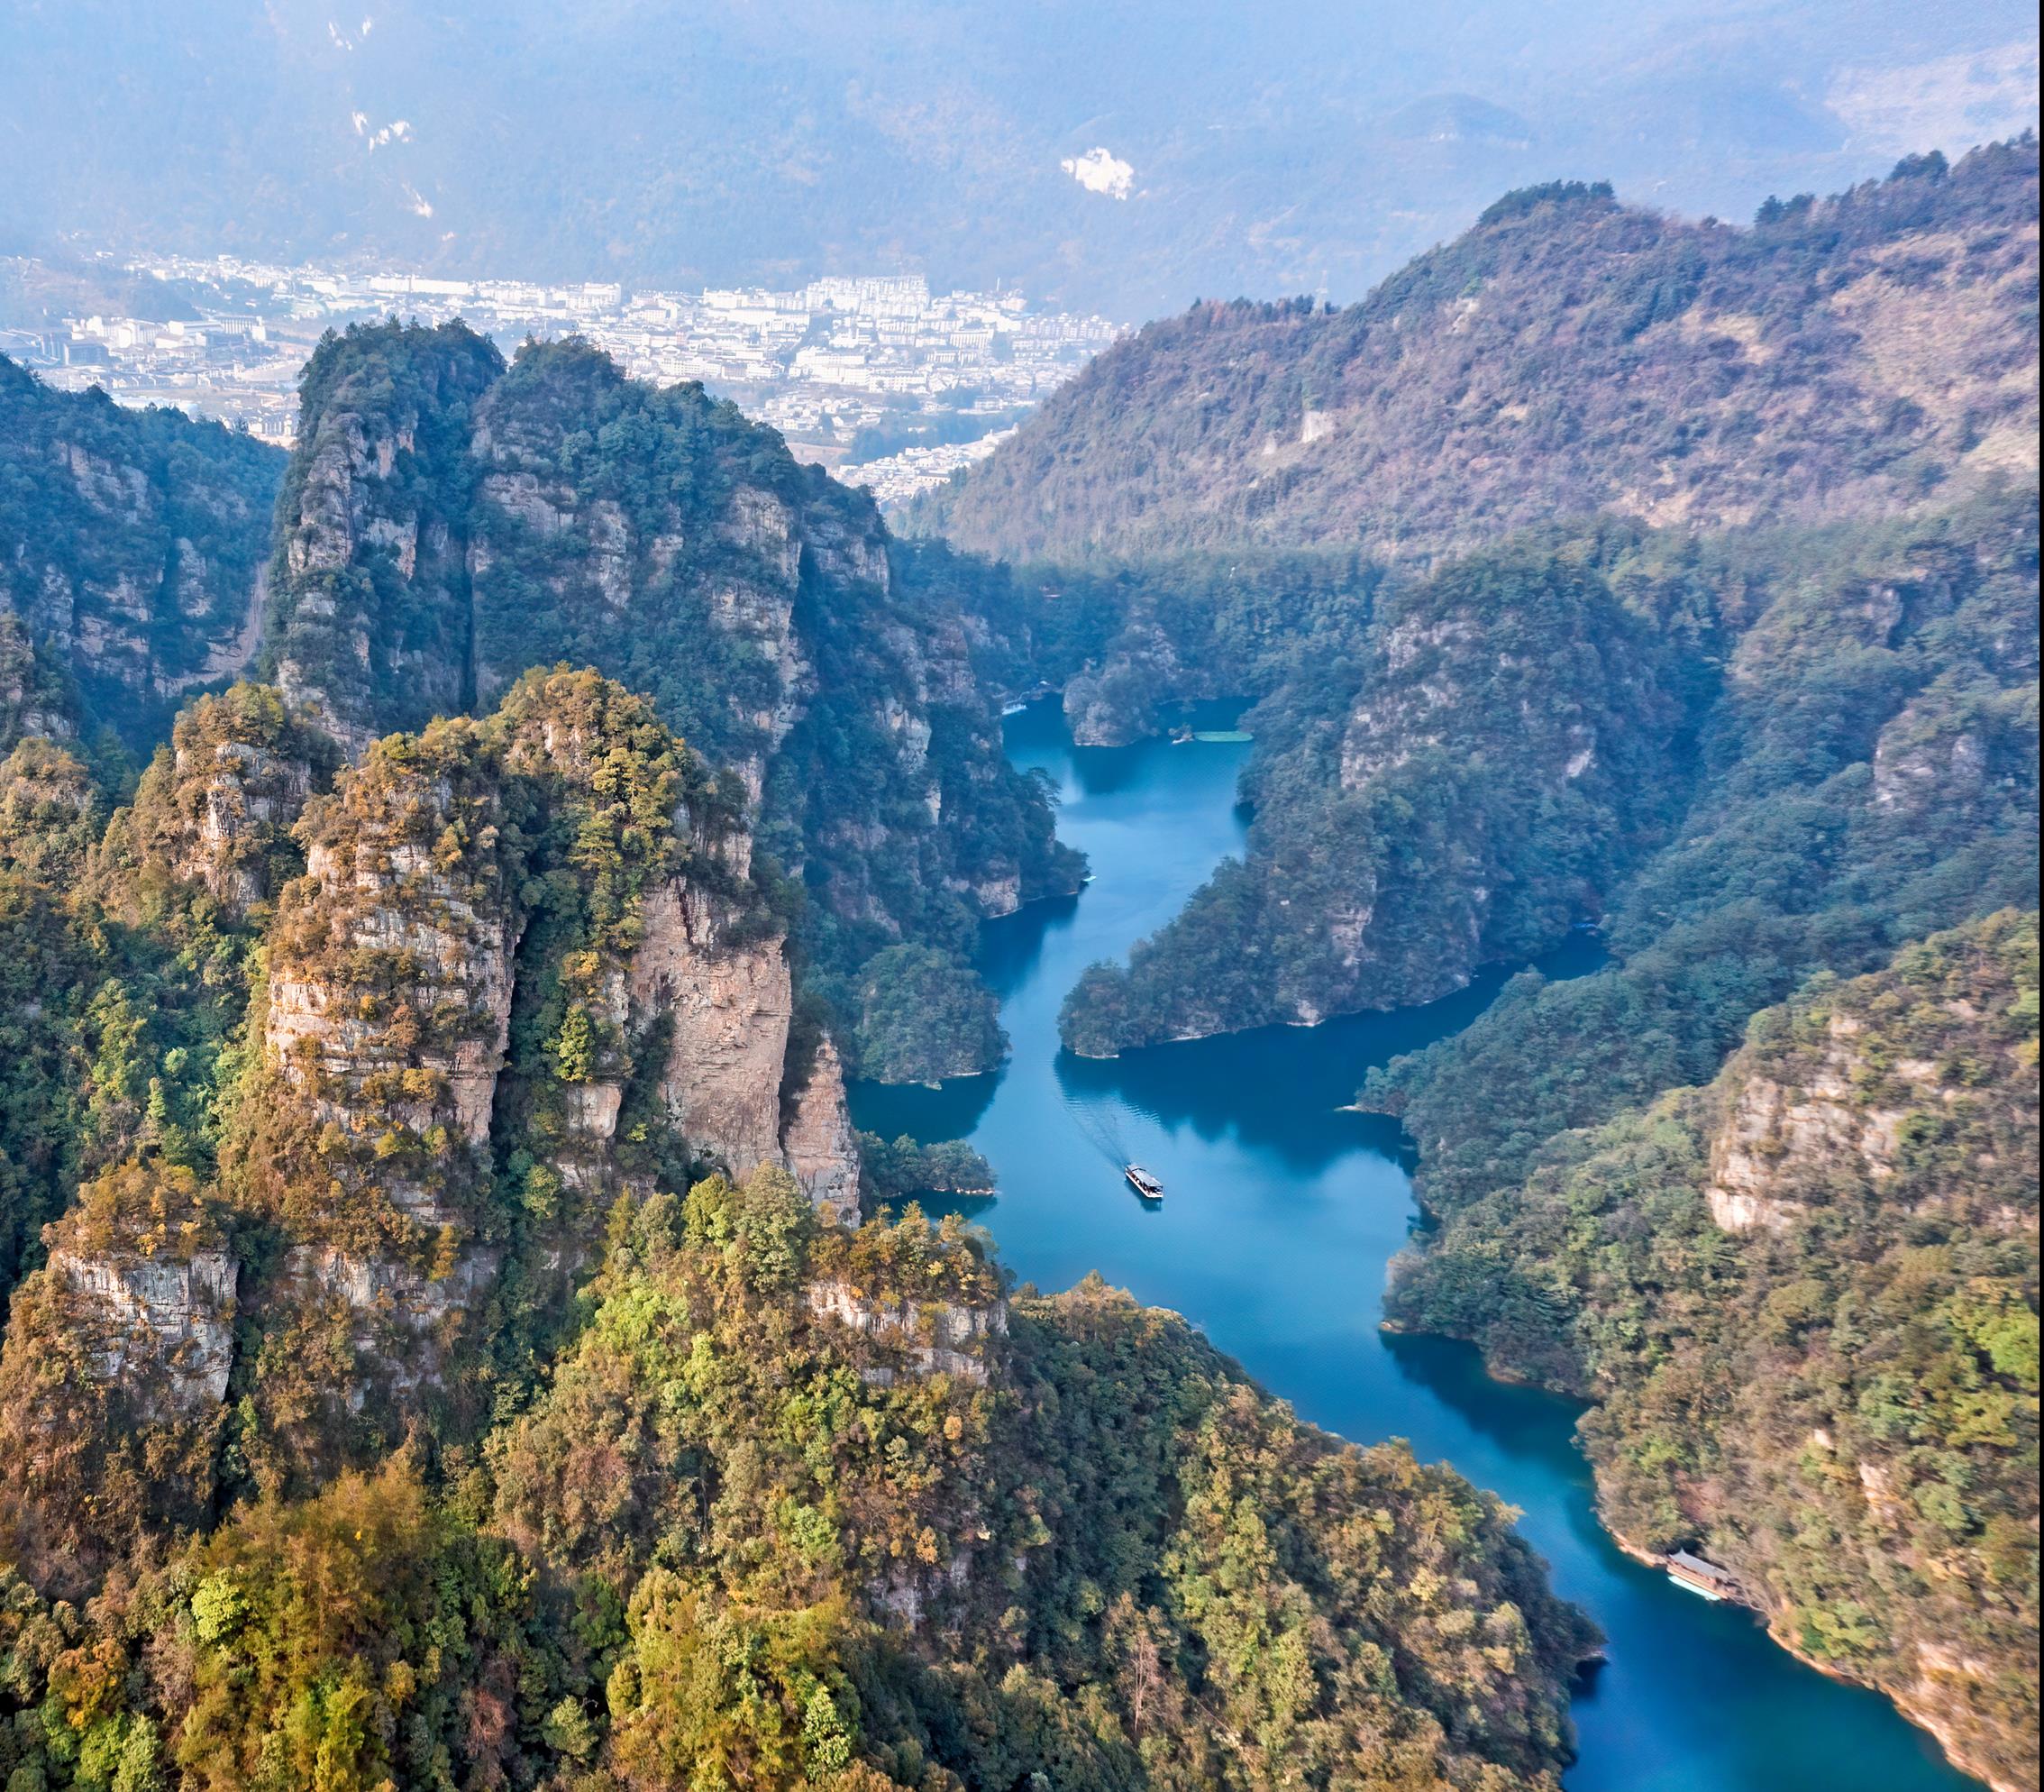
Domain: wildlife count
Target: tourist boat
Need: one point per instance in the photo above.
(1706, 1580)
(1143, 1182)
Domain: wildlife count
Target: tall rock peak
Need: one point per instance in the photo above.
(218, 806)
(370, 619)
(448, 522)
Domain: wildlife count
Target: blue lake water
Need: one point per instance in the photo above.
(1282, 1211)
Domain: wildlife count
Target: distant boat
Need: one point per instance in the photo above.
(1706, 1580)
(1144, 1182)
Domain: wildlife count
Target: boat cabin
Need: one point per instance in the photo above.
(1144, 1182)
(1700, 1576)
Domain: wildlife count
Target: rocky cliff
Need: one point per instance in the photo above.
(1483, 775)
(448, 522)
(818, 1140)
(389, 985)
(117, 1357)
(524, 967)
(368, 626)
(1874, 1151)
(727, 1001)
(929, 1337)
(218, 806)
(130, 547)
(505, 928)
(759, 606)
(388, 1318)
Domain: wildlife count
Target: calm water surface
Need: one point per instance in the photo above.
(1282, 1213)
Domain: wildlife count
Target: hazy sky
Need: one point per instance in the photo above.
(1124, 155)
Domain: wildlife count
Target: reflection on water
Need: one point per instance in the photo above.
(1283, 1209)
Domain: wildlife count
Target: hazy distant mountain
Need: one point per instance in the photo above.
(1458, 118)
(1105, 154)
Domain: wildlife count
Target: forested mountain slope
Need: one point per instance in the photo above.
(1767, 719)
(1804, 1300)
(1850, 356)
(452, 1361)
(447, 523)
(1506, 750)
(129, 547)
(1835, 729)
(1867, 775)
(1870, 777)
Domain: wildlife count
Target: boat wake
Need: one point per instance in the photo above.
(1099, 1127)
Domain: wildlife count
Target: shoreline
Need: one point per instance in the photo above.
(1924, 1719)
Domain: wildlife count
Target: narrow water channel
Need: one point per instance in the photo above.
(1281, 1212)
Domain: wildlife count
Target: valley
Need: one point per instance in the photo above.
(1284, 1210)
(1516, 801)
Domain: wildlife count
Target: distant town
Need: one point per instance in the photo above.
(890, 386)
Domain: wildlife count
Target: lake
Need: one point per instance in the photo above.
(1281, 1212)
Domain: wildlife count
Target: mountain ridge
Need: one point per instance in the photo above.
(1568, 355)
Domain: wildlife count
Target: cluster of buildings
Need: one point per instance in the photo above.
(922, 382)
(896, 478)
(238, 369)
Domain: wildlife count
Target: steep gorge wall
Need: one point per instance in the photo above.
(1873, 1153)
(728, 1004)
(130, 550)
(368, 627)
(448, 522)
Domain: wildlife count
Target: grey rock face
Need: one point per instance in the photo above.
(163, 1328)
(821, 1144)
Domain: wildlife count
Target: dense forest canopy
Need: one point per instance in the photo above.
(1823, 724)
